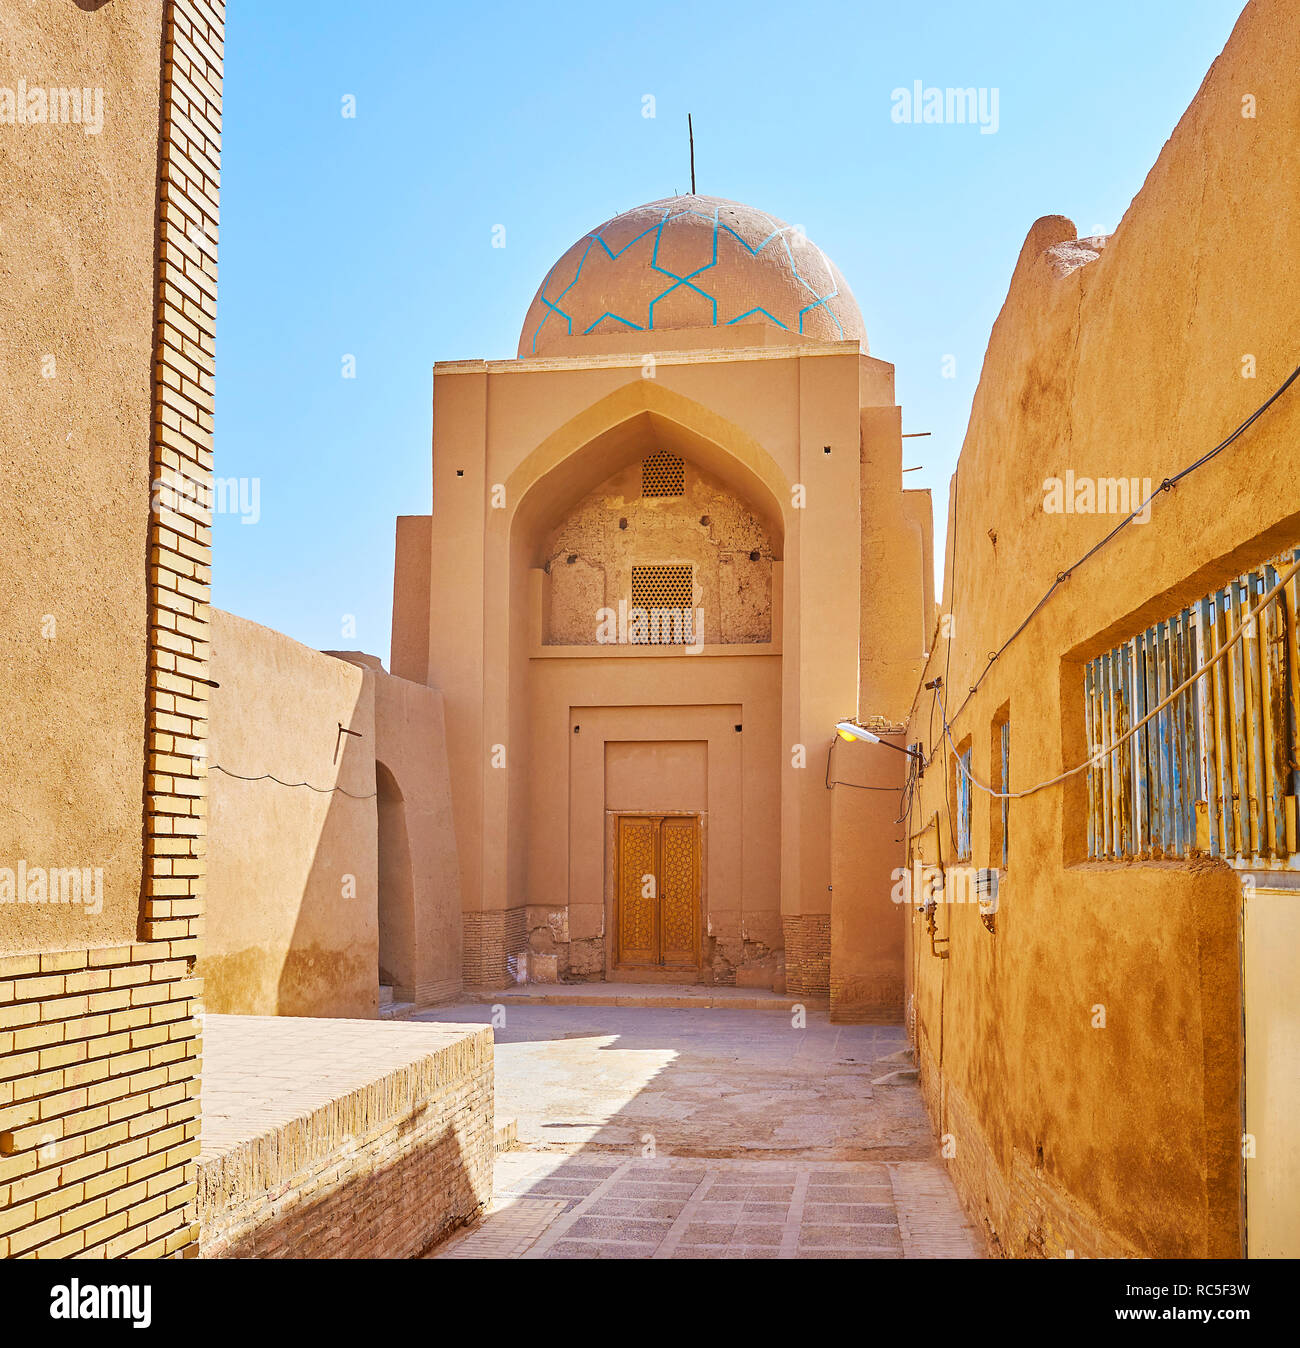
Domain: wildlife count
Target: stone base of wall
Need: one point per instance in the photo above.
(438, 992)
(730, 959)
(341, 1139)
(866, 1001)
(807, 954)
(495, 949)
(1025, 1215)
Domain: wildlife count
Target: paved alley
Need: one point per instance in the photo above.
(708, 1132)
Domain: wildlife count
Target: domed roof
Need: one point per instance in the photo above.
(691, 262)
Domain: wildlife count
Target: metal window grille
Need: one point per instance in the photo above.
(963, 807)
(662, 612)
(662, 474)
(1217, 770)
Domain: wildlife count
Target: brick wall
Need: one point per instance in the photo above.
(99, 1065)
(99, 1048)
(180, 543)
(438, 991)
(301, 1162)
(807, 954)
(496, 946)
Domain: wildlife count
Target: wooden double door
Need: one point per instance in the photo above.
(657, 891)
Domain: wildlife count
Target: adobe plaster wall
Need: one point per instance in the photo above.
(77, 216)
(1122, 360)
(868, 928)
(313, 892)
(292, 872)
(425, 938)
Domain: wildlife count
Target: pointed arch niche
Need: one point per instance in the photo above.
(582, 709)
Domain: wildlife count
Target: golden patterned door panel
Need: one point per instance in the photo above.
(679, 891)
(657, 891)
(638, 911)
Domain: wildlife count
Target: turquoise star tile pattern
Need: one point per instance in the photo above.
(691, 262)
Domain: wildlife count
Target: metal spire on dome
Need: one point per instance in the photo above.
(690, 131)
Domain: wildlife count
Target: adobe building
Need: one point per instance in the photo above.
(669, 550)
(1110, 1051)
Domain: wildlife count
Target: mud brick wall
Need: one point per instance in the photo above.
(495, 948)
(807, 954)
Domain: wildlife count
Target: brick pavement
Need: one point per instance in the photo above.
(651, 1132)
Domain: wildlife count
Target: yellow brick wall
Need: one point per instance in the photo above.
(180, 542)
(99, 1079)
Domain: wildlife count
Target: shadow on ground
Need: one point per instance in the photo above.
(708, 1132)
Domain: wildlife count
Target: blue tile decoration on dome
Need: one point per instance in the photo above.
(777, 237)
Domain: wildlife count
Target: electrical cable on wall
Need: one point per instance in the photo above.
(851, 729)
(271, 777)
(1166, 485)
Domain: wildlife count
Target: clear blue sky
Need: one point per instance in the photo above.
(372, 236)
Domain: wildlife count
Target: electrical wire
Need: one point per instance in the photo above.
(1102, 754)
(271, 777)
(1062, 576)
(857, 786)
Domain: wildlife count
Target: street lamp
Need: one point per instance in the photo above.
(849, 729)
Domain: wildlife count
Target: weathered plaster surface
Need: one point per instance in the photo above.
(590, 555)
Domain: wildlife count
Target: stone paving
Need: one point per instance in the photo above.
(708, 1132)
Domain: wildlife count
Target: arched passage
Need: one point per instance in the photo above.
(396, 889)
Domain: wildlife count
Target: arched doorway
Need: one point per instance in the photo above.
(396, 892)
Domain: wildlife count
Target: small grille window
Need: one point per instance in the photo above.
(662, 612)
(961, 770)
(662, 475)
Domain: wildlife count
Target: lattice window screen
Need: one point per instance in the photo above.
(666, 594)
(662, 475)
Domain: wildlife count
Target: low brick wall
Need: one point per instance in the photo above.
(807, 954)
(341, 1138)
(495, 948)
